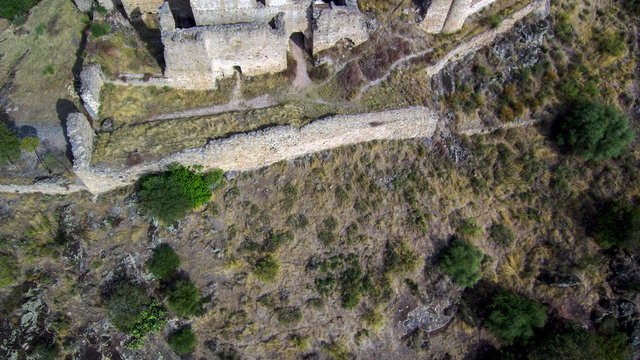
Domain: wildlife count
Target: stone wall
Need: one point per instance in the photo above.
(332, 23)
(143, 6)
(91, 79)
(457, 14)
(80, 136)
(448, 16)
(436, 15)
(265, 147)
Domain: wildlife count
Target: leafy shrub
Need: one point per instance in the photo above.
(151, 320)
(595, 131)
(301, 342)
(49, 70)
(495, 20)
(267, 268)
(29, 144)
(513, 317)
(164, 262)
(298, 221)
(168, 196)
(9, 145)
(184, 298)
(470, 227)
(274, 240)
(9, 269)
(99, 29)
(399, 257)
(613, 44)
(125, 305)
(501, 234)
(182, 341)
(45, 352)
(11, 9)
(618, 224)
(461, 261)
(288, 315)
(372, 319)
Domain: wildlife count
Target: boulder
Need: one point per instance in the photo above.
(107, 4)
(80, 136)
(83, 5)
(92, 80)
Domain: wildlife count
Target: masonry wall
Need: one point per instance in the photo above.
(448, 16)
(187, 63)
(457, 14)
(144, 6)
(333, 24)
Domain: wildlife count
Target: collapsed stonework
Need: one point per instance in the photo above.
(250, 36)
(92, 80)
(81, 137)
(448, 16)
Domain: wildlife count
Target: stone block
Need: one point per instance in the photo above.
(81, 137)
(91, 79)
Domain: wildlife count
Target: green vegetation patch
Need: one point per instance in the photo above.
(168, 196)
(618, 223)
(16, 10)
(267, 268)
(513, 317)
(183, 341)
(501, 234)
(595, 130)
(399, 257)
(461, 260)
(9, 145)
(151, 320)
(164, 262)
(9, 269)
(288, 315)
(184, 298)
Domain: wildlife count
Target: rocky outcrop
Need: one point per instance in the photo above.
(107, 4)
(92, 80)
(80, 136)
(84, 5)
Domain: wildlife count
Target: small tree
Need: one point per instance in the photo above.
(618, 224)
(461, 261)
(164, 262)
(125, 305)
(183, 341)
(29, 144)
(168, 196)
(184, 298)
(9, 145)
(267, 268)
(595, 131)
(513, 317)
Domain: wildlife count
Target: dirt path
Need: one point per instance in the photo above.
(302, 77)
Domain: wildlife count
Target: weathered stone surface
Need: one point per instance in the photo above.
(83, 5)
(436, 16)
(92, 80)
(555, 279)
(457, 14)
(107, 4)
(107, 125)
(331, 24)
(80, 136)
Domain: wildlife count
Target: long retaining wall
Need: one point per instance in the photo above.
(261, 148)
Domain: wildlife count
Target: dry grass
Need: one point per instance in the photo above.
(35, 93)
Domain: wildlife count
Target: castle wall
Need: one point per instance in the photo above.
(333, 24)
(457, 14)
(187, 65)
(144, 6)
(436, 16)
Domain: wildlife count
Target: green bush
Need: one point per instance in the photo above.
(182, 341)
(132, 311)
(513, 317)
(164, 262)
(184, 298)
(288, 315)
(469, 227)
(298, 221)
(168, 196)
(613, 44)
(399, 257)
(151, 320)
(9, 269)
(267, 268)
(495, 20)
(29, 144)
(45, 352)
(461, 261)
(501, 234)
(595, 131)
(618, 224)
(9, 145)
(99, 29)
(10, 9)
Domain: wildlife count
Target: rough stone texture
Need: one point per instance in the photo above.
(436, 16)
(80, 136)
(261, 148)
(107, 4)
(83, 5)
(457, 14)
(92, 80)
(133, 7)
(334, 23)
(538, 7)
(249, 35)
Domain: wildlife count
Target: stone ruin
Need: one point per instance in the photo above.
(251, 36)
(448, 16)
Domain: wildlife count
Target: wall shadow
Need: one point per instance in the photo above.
(65, 107)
